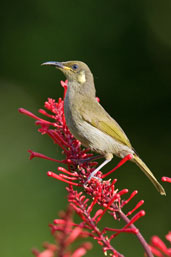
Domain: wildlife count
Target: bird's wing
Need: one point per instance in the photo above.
(93, 113)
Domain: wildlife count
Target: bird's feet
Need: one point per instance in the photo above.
(90, 177)
(93, 174)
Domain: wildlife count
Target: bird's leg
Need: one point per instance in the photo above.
(92, 175)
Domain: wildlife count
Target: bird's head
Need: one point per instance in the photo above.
(76, 71)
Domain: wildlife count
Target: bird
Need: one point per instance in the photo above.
(91, 124)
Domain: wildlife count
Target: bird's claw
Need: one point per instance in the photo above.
(89, 178)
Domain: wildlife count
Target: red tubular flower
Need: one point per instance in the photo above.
(50, 250)
(159, 248)
(102, 193)
(166, 179)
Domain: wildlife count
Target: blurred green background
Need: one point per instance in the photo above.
(127, 45)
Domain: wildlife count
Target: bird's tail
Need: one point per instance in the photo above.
(149, 174)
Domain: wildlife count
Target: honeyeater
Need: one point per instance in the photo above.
(91, 124)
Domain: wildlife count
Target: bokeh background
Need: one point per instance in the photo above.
(127, 45)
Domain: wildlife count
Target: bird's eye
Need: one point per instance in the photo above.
(74, 66)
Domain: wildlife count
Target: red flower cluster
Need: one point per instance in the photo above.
(80, 163)
(65, 232)
(159, 248)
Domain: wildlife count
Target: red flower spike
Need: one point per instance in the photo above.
(131, 196)
(166, 179)
(135, 208)
(59, 221)
(114, 181)
(65, 235)
(67, 177)
(73, 235)
(67, 172)
(80, 252)
(92, 204)
(46, 114)
(54, 175)
(159, 248)
(78, 211)
(127, 230)
(48, 252)
(85, 202)
(58, 139)
(30, 114)
(80, 163)
(115, 255)
(133, 220)
(159, 244)
(168, 236)
(39, 155)
(125, 159)
(82, 198)
(122, 192)
(99, 212)
(132, 231)
(107, 207)
(156, 252)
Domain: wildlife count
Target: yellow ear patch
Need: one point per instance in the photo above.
(81, 77)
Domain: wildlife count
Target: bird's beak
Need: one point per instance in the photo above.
(58, 65)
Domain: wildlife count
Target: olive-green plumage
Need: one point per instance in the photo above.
(90, 123)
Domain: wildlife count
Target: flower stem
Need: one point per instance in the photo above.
(138, 235)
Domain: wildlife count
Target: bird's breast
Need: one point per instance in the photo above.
(74, 120)
(89, 135)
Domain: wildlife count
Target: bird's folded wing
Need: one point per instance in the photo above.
(95, 115)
